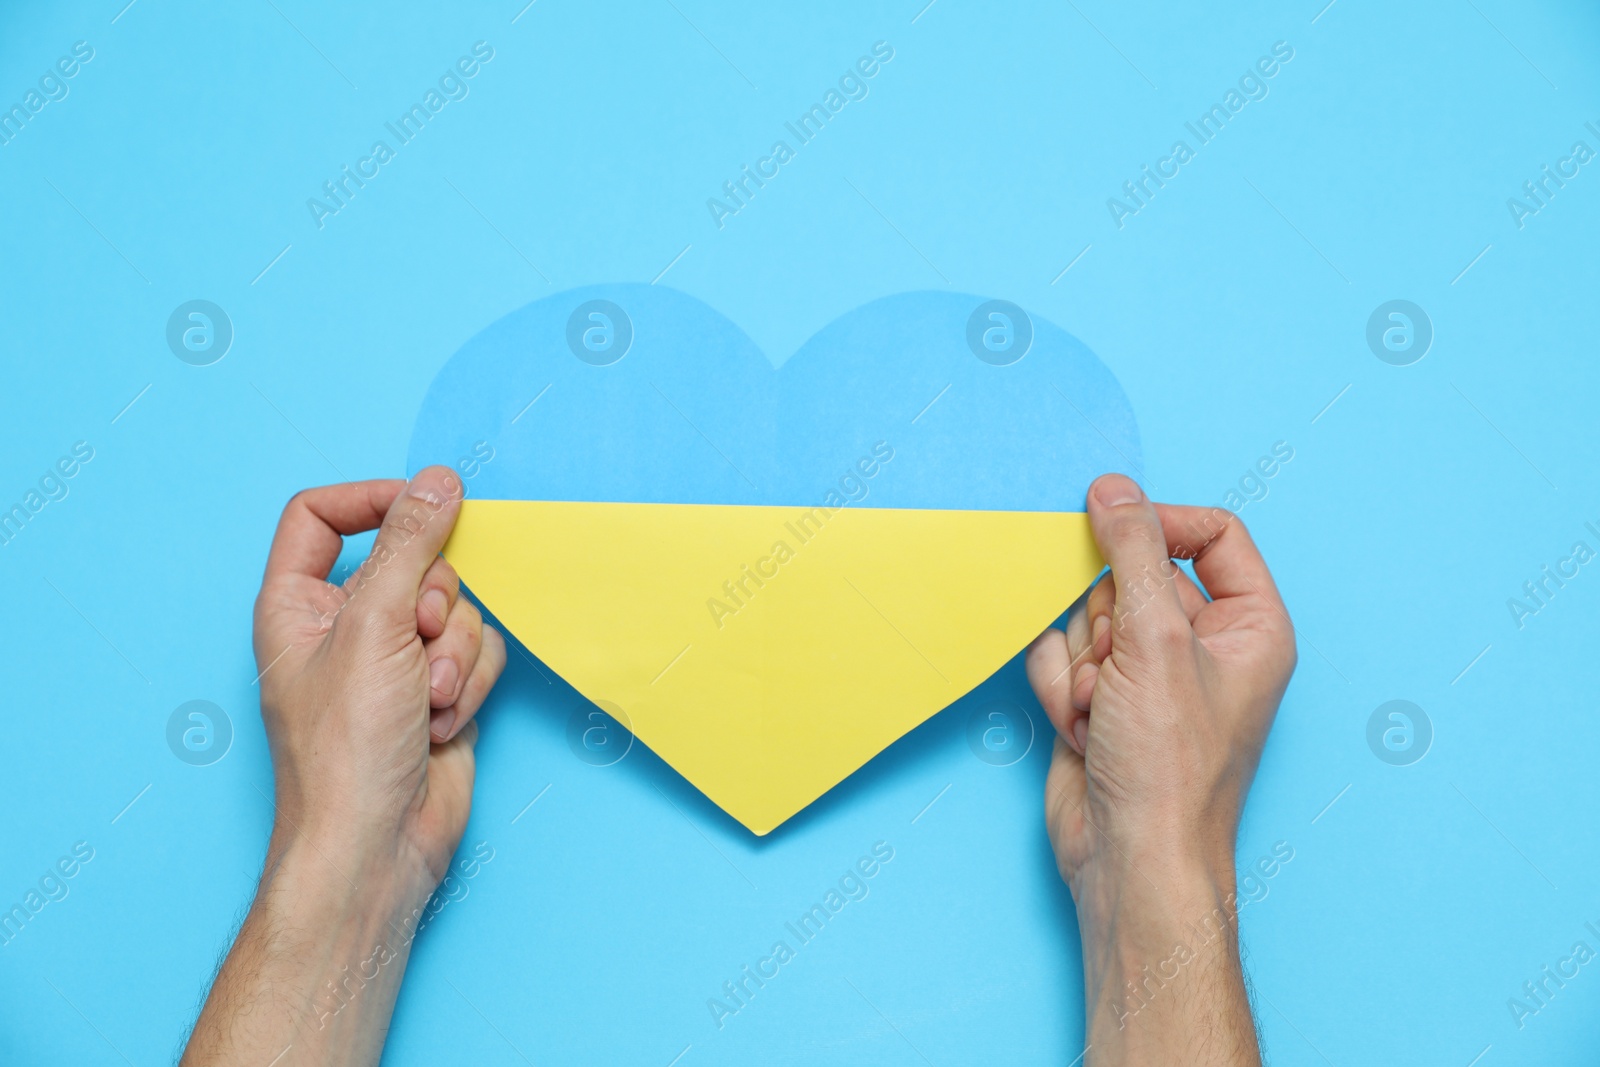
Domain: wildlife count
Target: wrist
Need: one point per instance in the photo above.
(1141, 868)
(1150, 926)
(325, 944)
(350, 896)
(339, 922)
(1151, 897)
(381, 873)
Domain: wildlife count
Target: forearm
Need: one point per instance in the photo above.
(1162, 977)
(316, 966)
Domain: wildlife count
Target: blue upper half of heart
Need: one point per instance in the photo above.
(905, 402)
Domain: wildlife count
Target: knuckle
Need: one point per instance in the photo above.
(1287, 637)
(1210, 526)
(1129, 529)
(300, 501)
(445, 574)
(1168, 631)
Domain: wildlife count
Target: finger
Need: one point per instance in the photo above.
(1102, 607)
(437, 598)
(1102, 598)
(1189, 594)
(452, 654)
(1078, 633)
(451, 770)
(1081, 629)
(315, 522)
(1226, 559)
(1131, 539)
(414, 529)
(1102, 602)
(448, 722)
(1049, 669)
(1065, 785)
(1083, 683)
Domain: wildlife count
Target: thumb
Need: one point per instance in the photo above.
(414, 530)
(1130, 537)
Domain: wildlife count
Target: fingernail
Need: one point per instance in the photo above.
(440, 723)
(1102, 623)
(424, 493)
(1114, 490)
(1080, 734)
(442, 675)
(447, 482)
(437, 604)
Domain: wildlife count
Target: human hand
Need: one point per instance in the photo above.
(368, 690)
(1161, 700)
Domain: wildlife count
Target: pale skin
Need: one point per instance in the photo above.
(368, 697)
(1161, 699)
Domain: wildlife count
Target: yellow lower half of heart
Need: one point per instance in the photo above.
(768, 652)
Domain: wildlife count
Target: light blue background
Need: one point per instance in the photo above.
(1232, 308)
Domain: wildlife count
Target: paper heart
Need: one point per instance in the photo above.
(771, 575)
